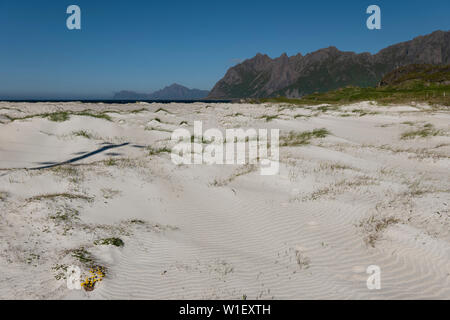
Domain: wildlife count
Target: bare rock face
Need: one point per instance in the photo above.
(326, 69)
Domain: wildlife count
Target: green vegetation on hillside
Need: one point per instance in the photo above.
(432, 94)
(425, 73)
(414, 83)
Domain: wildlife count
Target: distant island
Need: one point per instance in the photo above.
(172, 92)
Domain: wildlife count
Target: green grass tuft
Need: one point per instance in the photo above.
(58, 116)
(82, 133)
(293, 138)
(110, 162)
(51, 196)
(428, 130)
(83, 255)
(154, 151)
(110, 241)
(269, 118)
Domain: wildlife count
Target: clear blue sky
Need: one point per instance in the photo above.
(144, 45)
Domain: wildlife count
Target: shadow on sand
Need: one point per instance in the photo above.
(84, 156)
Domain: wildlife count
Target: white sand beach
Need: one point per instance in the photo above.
(374, 191)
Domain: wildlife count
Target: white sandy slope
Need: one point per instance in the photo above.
(361, 196)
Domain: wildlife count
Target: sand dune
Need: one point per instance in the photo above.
(370, 193)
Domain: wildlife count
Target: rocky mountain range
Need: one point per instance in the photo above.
(172, 92)
(327, 69)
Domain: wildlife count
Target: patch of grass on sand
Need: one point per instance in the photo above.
(416, 189)
(235, 114)
(65, 171)
(363, 113)
(82, 133)
(110, 162)
(155, 151)
(139, 110)
(83, 255)
(110, 242)
(58, 116)
(137, 221)
(243, 170)
(61, 116)
(61, 271)
(269, 118)
(334, 166)
(374, 225)
(428, 130)
(327, 108)
(65, 215)
(293, 138)
(103, 116)
(51, 196)
(336, 188)
(150, 226)
(65, 115)
(33, 258)
(158, 129)
(301, 116)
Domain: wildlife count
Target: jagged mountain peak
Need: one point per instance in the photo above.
(326, 69)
